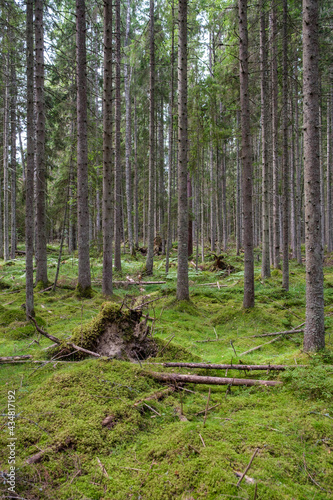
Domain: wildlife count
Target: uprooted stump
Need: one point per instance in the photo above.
(116, 333)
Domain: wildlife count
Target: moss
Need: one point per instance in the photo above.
(7, 316)
(41, 285)
(84, 293)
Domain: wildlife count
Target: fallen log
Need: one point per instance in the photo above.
(213, 366)
(199, 379)
(13, 359)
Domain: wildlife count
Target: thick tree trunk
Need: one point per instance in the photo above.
(41, 254)
(314, 336)
(84, 278)
(265, 264)
(107, 225)
(182, 275)
(151, 168)
(118, 173)
(276, 203)
(29, 206)
(285, 153)
(246, 158)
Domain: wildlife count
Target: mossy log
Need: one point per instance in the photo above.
(13, 359)
(199, 379)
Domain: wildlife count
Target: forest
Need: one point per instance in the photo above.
(166, 249)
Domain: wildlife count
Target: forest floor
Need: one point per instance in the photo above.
(149, 451)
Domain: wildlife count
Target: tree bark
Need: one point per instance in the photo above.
(200, 379)
(246, 158)
(41, 254)
(182, 275)
(151, 167)
(5, 162)
(136, 179)
(107, 224)
(314, 335)
(13, 131)
(329, 238)
(84, 277)
(276, 204)
(29, 195)
(118, 172)
(265, 265)
(285, 154)
(127, 82)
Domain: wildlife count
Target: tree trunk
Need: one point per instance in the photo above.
(182, 275)
(41, 254)
(84, 278)
(29, 206)
(118, 176)
(238, 193)
(5, 161)
(136, 179)
(246, 158)
(329, 238)
(127, 81)
(151, 167)
(314, 335)
(107, 226)
(276, 204)
(13, 154)
(298, 176)
(285, 153)
(265, 264)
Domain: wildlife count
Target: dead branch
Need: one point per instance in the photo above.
(13, 359)
(145, 303)
(213, 366)
(288, 332)
(248, 466)
(42, 332)
(139, 282)
(156, 395)
(259, 346)
(86, 351)
(314, 482)
(199, 379)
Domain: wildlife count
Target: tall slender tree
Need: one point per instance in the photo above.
(246, 157)
(107, 152)
(84, 278)
(285, 153)
(314, 335)
(29, 185)
(151, 167)
(182, 276)
(118, 173)
(41, 254)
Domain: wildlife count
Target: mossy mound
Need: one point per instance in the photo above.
(8, 316)
(116, 333)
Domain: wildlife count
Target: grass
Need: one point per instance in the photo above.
(147, 455)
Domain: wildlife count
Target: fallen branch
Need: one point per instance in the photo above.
(248, 466)
(213, 366)
(13, 359)
(259, 346)
(139, 282)
(78, 348)
(288, 332)
(209, 340)
(210, 284)
(166, 345)
(156, 395)
(208, 409)
(314, 482)
(199, 379)
(48, 335)
(146, 303)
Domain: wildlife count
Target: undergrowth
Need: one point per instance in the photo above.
(146, 451)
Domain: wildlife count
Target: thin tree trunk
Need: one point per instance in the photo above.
(292, 187)
(238, 193)
(265, 264)
(107, 226)
(285, 153)
(329, 238)
(224, 198)
(13, 154)
(276, 205)
(246, 158)
(314, 335)
(118, 173)
(136, 179)
(5, 162)
(29, 206)
(151, 167)
(128, 133)
(298, 176)
(84, 277)
(41, 261)
(182, 275)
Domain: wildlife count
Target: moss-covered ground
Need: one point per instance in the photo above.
(148, 452)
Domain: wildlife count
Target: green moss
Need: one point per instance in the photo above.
(84, 293)
(7, 316)
(41, 285)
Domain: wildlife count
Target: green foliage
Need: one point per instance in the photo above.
(314, 382)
